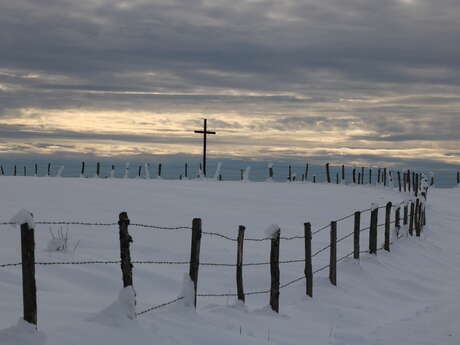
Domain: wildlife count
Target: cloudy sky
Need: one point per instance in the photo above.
(343, 80)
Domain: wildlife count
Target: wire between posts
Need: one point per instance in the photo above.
(159, 306)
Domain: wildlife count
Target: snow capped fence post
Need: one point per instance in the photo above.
(29, 290)
(411, 221)
(328, 173)
(239, 264)
(356, 232)
(125, 254)
(275, 269)
(386, 245)
(333, 255)
(373, 230)
(195, 254)
(308, 264)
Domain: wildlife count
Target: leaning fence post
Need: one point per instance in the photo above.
(308, 264)
(29, 290)
(387, 226)
(275, 271)
(239, 264)
(373, 231)
(195, 254)
(125, 254)
(333, 254)
(411, 221)
(356, 234)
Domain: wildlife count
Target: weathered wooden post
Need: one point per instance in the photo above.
(398, 221)
(411, 221)
(25, 171)
(333, 255)
(125, 253)
(308, 262)
(359, 178)
(416, 184)
(356, 233)
(49, 169)
(1, 170)
(36, 169)
(362, 175)
(29, 290)
(354, 175)
(160, 166)
(290, 173)
(379, 176)
(385, 177)
(195, 254)
(417, 217)
(370, 175)
(337, 178)
(241, 174)
(82, 170)
(275, 271)
(314, 178)
(386, 245)
(406, 214)
(98, 169)
(328, 173)
(399, 181)
(458, 177)
(239, 264)
(270, 171)
(15, 172)
(139, 171)
(306, 172)
(186, 170)
(373, 231)
(343, 173)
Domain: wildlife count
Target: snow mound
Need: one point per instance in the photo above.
(23, 333)
(120, 311)
(187, 291)
(23, 216)
(272, 230)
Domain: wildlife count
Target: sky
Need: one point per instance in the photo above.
(347, 81)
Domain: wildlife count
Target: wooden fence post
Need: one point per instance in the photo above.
(356, 233)
(398, 221)
(354, 175)
(362, 175)
(308, 264)
(82, 171)
(125, 253)
(417, 217)
(416, 185)
(98, 169)
(36, 169)
(15, 172)
(159, 169)
(337, 178)
(385, 177)
(290, 174)
(239, 264)
(379, 176)
(387, 226)
(186, 170)
(275, 271)
(241, 174)
(333, 254)
(29, 290)
(306, 172)
(25, 170)
(195, 254)
(328, 173)
(1, 170)
(373, 231)
(399, 181)
(411, 219)
(343, 172)
(314, 178)
(270, 172)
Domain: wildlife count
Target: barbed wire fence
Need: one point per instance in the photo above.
(413, 219)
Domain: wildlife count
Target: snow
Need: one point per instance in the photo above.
(23, 333)
(272, 230)
(409, 296)
(22, 217)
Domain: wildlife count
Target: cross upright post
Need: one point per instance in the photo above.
(205, 132)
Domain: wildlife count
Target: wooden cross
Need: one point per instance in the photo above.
(205, 132)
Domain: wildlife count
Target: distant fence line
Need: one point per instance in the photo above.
(395, 178)
(411, 213)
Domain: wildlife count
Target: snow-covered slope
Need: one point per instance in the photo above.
(408, 296)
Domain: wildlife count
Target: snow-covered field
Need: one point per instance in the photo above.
(408, 296)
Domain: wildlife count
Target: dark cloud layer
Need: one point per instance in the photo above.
(388, 69)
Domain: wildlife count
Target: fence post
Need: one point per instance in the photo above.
(125, 254)
(328, 173)
(387, 226)
(36, 169)
(354, 175)
(275, 271)
(416, 185)
(417, 217)
(159, 169)
(411, 221)
(337, 178)
(98, 169)
(29, 290)
(398, 221)
(241, 174)
(290, 174)
(399, 181)
(308, 264)
(373, 231)
(239, 264)
(195, 254)
(356, 233)
(333, 254)
(186, 170)
(343, 173)
(306, 172)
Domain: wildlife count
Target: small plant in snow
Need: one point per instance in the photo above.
(59, 241)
